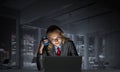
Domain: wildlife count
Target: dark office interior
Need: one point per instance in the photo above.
(93, 25)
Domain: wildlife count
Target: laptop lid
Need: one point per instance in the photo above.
(63, 64)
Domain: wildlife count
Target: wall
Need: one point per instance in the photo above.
(112, 48)
(7, 27)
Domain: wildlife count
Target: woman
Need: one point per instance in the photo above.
(59, 44)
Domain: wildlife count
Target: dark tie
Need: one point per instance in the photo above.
(58, 51)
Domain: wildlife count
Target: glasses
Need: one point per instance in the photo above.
(56, 39)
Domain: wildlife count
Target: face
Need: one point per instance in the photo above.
(55, 39)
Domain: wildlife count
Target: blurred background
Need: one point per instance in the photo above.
(93, 25)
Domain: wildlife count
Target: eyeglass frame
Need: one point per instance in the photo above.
(56, 39)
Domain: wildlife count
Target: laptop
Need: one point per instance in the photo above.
(63, 64)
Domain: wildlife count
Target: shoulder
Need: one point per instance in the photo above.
(69, 42)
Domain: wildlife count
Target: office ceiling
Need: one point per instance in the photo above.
(71, 15)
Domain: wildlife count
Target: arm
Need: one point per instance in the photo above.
(41, 46)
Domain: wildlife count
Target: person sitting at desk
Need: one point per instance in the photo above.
(59, 45)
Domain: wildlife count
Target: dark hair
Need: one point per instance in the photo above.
(53, 28)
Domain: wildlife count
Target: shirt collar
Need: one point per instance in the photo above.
(57, 47)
